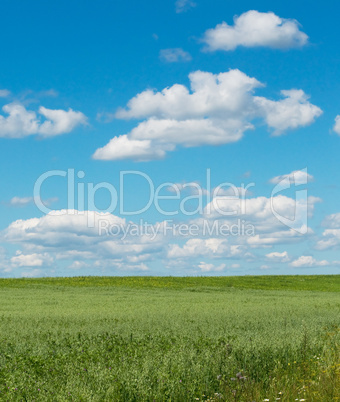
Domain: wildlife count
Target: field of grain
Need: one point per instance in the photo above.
(178, 339)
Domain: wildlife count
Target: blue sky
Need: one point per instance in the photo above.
(172, 90)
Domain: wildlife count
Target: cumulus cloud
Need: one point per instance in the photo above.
(79, 236)
(211, 94)
(330, 239)
(60, 227)
(307, 261)
(331, 235)
(184, 5)
(21, 122)
(217, 110)
(268, 221)
(174, 55)
(336, 127)
(60, 121)
(297, 176)
(212, 248)
(82, 239)
(332, 221)
(31, 260)
(122, 147)
(255, 29)
(289, 113)
(205, 267)
(278, 257)
(264, 211)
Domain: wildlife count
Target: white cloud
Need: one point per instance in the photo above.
(21, 122)
(298, 177)
(336, 127)
(79, 236)
(267, 221)
(60, 227)
(218, 110)
(24, 201)
(254, 29)
(268, 240)
(289, 113)
(330, 239)
(79, 265)
(184, 5)
(123, 147)
(205, 267)
(79, 239)
(60, 121)
(31, 260)
(211, 94)
(33, 273)
(308, 261)
(20, 201)
(174, 55)
(261, 210)
(4, 93)
(332, 221)
(212, 248)
(278, 257)
(331, 235)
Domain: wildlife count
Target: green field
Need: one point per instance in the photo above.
(179, 339)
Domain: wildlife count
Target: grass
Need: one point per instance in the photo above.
(324, 283)
(178, 339)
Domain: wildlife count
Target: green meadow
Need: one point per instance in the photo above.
(170, 339)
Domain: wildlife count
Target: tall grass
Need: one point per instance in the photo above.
(326, 283)
(134, 343)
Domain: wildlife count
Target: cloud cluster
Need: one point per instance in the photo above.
(216, 110)
(71, 235)
(307, 261)
(212, 248)
(21, 122)
(80, 237)
(225, 237)
(331, 235)
(267, 214)
(206, 267)
(255, 29)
